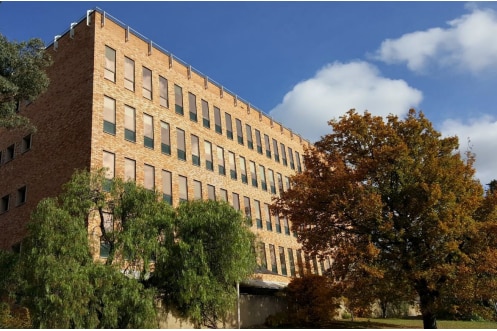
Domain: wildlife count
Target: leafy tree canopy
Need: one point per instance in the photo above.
(388, 199)
(201, 250)
(22, 78)
(214, 250)
(64, 288)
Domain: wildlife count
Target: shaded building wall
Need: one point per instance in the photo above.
(62, 142)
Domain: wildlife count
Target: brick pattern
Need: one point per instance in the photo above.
(71, 132)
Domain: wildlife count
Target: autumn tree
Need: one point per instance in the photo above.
(213, 250)
(390, 198)
(22, 78)
(473, 292)
(312, 301)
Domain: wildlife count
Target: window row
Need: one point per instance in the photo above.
(271, 146)
(20, 198)
(253, 211)
(299, 264)
(10, 152)
(226, 161)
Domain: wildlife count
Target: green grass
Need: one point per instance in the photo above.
(372, 323)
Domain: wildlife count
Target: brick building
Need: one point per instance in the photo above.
(116, 100)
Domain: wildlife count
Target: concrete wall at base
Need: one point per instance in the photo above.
(254, 309)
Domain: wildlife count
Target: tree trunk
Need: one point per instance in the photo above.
(427, 299)
(383, 306)
(429, 320)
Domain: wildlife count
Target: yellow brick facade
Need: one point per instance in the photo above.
(78, 74)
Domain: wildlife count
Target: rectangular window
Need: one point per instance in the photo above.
(220, 161)
(297, 158)
(10, 153)
(129, 74)
(223, 195)
(148, 131)
(129, 170)
(167, 189)
(205, 115)
(272, 255)
(315, 265)
(163, 92)
(26, 143)
(282, 260)
(243, 170)
(253, 174)
(229, 127)
(290, 154)
(248, 132)
(108, 162)
(262, 255)
(147, 83)
(180, 143)
(109, 115)
(287, 182)
(283, 154)
(280, 182)
(178, 99)
(262, 175)
(327, 263)
(208, 155)
(292, 262)
(236, 200)
(195, 150)
(258, 141)
(149, 177)
(246, 205)
(4, 204)
(183, 189)
(211, 192)
(21, 195)
(217, 120)
(276, 151)
(272, 184)
(239, 131)
(286, 225)
(277, 222)
(258, 218)
(231, 161)
(110, 64)
(192, 105)
(300, 263)
(197, 190)
(108, 220)
(269, 224)
(268, 147)
(129, 123)
(165, 138)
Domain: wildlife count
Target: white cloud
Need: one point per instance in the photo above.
(482, 136)
(468, 43)
(337, 88)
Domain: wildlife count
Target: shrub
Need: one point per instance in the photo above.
(311, 300)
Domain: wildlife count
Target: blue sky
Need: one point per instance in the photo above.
(304, 63)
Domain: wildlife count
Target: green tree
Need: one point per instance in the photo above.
(61, 284)
(22, 78)
(390, 198)
(213, 250)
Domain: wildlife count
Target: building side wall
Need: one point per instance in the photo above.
(61, 143)
(129, 45)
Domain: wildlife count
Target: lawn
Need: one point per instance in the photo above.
(364, 323)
